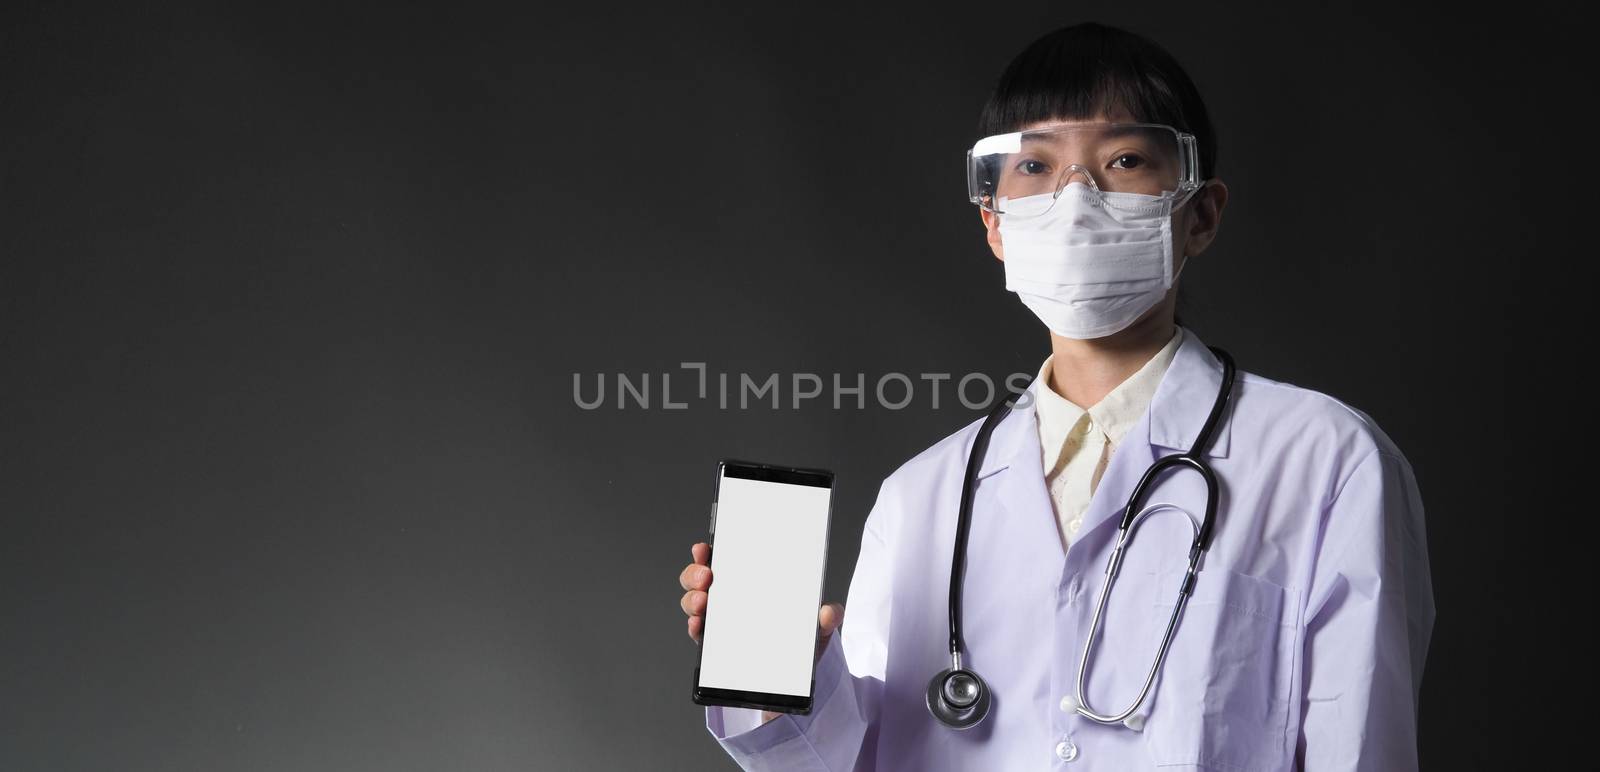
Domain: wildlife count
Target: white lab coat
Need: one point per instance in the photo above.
(1302, 646)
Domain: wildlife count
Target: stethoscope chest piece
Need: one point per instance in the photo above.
(958, 698)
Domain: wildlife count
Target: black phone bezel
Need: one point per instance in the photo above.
(749, 470)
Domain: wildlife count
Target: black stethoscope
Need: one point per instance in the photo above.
(957, 696)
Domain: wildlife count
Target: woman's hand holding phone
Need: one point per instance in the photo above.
(696, 580)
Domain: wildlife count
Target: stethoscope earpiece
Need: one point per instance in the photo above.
(958, 698)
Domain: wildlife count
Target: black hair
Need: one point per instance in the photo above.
(1082, 71)
(1089, 69)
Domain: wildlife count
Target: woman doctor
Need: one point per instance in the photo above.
(1301, 645)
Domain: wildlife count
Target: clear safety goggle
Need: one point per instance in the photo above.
(1023, 173)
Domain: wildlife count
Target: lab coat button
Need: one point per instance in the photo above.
(1066, 749)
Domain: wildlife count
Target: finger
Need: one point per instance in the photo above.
(695, 577)
(829, 617)
(701, 552)
(693, 603)
(697, 626)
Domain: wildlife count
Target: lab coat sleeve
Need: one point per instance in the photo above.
(1368, 620)
(849, 690)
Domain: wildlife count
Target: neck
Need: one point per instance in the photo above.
(1085, 371)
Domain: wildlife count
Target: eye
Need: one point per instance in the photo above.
(1031, 167)
(1127, 161)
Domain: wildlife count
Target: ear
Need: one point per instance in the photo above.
(1205, 216)
(991, 227)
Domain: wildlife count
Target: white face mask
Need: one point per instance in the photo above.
(1087, 269)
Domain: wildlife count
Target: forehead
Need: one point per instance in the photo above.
(1102, 117)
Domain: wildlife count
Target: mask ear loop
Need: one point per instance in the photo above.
(1186, 199)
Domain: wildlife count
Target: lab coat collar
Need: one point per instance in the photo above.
(1184, 399)
(1177, 411)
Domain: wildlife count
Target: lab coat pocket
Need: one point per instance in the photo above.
(1221, 698)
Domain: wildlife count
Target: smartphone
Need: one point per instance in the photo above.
(769, 546)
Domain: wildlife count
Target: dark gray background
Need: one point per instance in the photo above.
(293, 299)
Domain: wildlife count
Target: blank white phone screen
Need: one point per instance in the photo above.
(766, 582)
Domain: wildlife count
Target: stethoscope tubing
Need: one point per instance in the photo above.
(1131, 517)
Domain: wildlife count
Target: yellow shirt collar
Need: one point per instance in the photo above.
(1114, 415)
